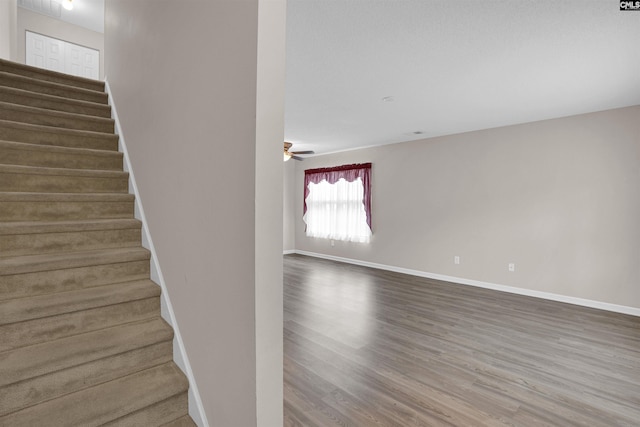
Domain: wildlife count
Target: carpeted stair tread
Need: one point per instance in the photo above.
(60, 119)
(50, 385)
(52, 239)
(36, 263)
(51, 356)
(19, 310)
(25, 154)
(53, 102)
(50, 135)
(60, 180)
(82, 340)
(35, 331)
(37, 227)
(70, 279)
(7, 196)
(37, 206)
(40, 237)
(52, 88)
(48, 75)
(105, 402)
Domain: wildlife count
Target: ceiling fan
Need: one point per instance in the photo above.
(293, 154)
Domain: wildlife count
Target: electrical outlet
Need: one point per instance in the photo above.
(456, 259)
(512, 267)
(333, 243)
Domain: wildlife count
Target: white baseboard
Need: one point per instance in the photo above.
(288, 251)
(633, 311)
(196, 408)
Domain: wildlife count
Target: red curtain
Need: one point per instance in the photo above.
(350, 173)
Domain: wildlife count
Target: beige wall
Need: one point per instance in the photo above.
(41, 24)
(188, 87)
(288, 217)
(269, 310)
(8, 32)
(559, 198)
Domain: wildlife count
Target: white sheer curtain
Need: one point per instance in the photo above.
(335, 211)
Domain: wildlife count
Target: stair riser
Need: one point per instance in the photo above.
(55, 120)
(25, 71)
(12, 182)
(51, 159)
(58, 138)
(64, 211)
(155, 415)
(51, 89)
(48, 282)
(49, 386)
(33, 244)
(22, 334)
(32, 99)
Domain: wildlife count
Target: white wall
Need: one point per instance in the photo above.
(201, 111)
(8, 29)
(559, 198)
(289, 203)
(42, 24)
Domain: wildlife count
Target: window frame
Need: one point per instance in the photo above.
(332, 175)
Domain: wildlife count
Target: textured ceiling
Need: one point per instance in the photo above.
(451, 66)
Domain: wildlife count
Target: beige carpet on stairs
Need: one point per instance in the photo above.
(82, 342)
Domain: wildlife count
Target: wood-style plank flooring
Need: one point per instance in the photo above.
(366, 347)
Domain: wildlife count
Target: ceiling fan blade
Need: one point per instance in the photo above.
(303, 152)
(297, 158)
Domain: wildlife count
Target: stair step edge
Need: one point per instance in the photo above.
(57, 130)
(62, 261)
(105, 109)
(26, 146)
(51, 356)
(23, 196)
(99, 93)
(39, 170)
(38, 227)
(56, 113)
(36, 307)
(7, 65)
(51, 385)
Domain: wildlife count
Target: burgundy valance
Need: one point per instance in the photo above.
(350, 173)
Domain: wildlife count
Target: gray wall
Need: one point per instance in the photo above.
(188, 86)
(559, 198)
(41, 24)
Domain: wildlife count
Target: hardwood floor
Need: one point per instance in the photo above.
(366, 347)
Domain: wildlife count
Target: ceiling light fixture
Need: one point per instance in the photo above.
(287, 156)
(67, 4)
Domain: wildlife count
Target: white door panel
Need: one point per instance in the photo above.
(58, 55)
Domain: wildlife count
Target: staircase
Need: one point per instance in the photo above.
(82, 342)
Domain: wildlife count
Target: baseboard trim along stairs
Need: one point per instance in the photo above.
(82, 337)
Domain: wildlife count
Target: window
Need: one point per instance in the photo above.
(337, 202)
